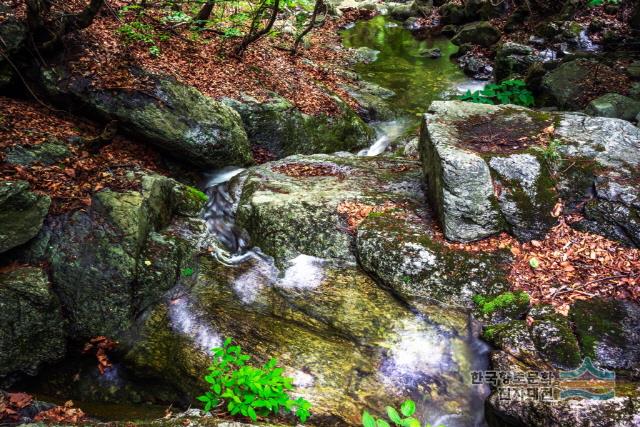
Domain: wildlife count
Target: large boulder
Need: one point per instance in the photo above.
(609, 333)
(480, 185)
(614, 105)
(567, 85)
(21, 213)
(278, 126)
(292, 206)
(348, 344)
(479, 33)
(177, 118)
(121, 254)
(32, 329)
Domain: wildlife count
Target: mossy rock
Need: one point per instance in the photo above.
(479, 33)
(514, 337)
(176, 118)
(47, 153)
(32, 329)
(22, 213)
(609, 332)
(119, 255)
(404, 255)
(554, 338)
(508, 305)
(282, 129)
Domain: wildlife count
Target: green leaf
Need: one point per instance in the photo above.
(382, 423)
(534, 263)
(252, 413)
(410, 422)
(393, 415)
(408, 408)
(368, 420)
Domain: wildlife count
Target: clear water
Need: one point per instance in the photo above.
(417, 80)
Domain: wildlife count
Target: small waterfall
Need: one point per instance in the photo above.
(585, 44)
(386, 133)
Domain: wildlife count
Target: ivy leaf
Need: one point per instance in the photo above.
(408, 408)
(393, 415)
(368, 420)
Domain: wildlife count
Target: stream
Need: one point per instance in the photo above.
(391, 349)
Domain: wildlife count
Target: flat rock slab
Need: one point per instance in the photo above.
(496, 168)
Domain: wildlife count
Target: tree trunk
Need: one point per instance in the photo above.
(254, 35)
(634, 19)
(46, 35)
(205, 12)
(312, 22)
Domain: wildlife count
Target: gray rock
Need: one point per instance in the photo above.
(480, 33)
(618, 412)
(291, 215)
(477, 191)
(525, 199)
(402, 254)
(364, 55)
(613, 143)
(32, 329)
(177, 118)
(459, 180)
(565, 85)
(108, 261)
(431, 53)
(609, 333)
(21, 213)
(475, 66)
(46, 153)
(513, 59)
(614, 105)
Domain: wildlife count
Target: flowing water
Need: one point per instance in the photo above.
(417, 351)
(414, 352)
(403, 66)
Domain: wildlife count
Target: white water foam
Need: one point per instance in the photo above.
(184, 321)
(304, 272)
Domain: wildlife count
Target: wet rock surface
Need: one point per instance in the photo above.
(32, 329)
(22, 213)
(278, 126)
(104, 248)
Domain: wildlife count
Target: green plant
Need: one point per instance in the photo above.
(506, 92)
(247, 390)
(594, 3)
(187, 272)
(507, 300)
(407, 409)
(137, 31)
(550, 154)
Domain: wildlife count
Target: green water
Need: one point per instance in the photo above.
(416, 80)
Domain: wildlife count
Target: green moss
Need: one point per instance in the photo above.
(595, 321)
(196, 194)
(508, 301)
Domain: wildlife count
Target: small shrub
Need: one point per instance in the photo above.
(550, 154)
(247, 390)
(505, 301)
(407, 409)
(507, 92)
